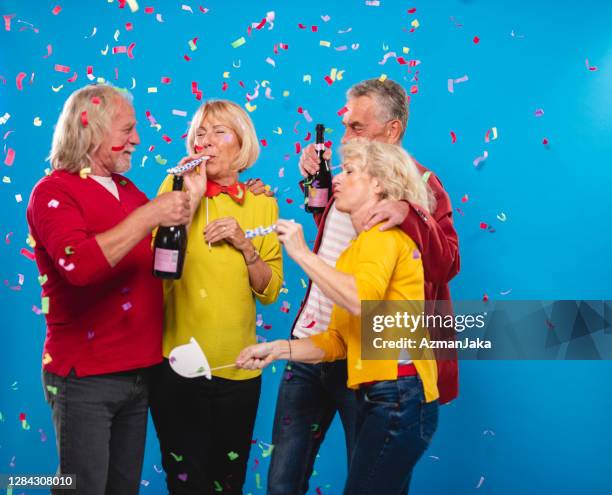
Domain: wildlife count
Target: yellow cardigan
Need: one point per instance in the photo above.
(213, 300)
(385, 269)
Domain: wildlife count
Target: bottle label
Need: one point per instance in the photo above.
(318, 198)
(166, 260)
(320, 146)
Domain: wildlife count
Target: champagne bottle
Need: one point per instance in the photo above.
(170, 245)
(318, 187)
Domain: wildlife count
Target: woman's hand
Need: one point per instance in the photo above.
(195, 179)
(258, 356)
(226, 229)
(291, 236)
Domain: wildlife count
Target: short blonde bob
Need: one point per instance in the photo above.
(75, 143)
(233, 116)
(394, 169)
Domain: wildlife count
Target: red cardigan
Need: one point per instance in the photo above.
(437, 240)
(100, 319)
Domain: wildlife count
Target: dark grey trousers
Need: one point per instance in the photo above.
(100, 427)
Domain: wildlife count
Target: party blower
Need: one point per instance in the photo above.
(189, 360)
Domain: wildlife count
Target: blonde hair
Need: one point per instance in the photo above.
(394, 169)
(74, 143)
(238, 120)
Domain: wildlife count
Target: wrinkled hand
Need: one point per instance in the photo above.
(256, 186)
(394, 212)
(309, 160)
(195, 179)
(171, 208)
(256, 357)
(291, 235)
(226, 229)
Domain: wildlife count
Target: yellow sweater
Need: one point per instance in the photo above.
(385, 269)
(213, 300)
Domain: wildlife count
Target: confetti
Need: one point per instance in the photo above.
(480, 482)
(476, 40)
(477, 161)
(493, 131)
(239, 42)
(232, 456)
(177, 458)
(372, 3)
(10, 157)
(453, 137)
(502, 217)
(44, 305)
(452, 82)
(539, 112)
(19, 80)
(66, 266)
(590, 67)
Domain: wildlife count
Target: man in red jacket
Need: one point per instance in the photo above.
(310, 394)
(92, 229)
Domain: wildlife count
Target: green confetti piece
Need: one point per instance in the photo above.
(314, 427)
(159, 159)
(44, 305)
(52, 390)
(218, 487)
(314, 473)
(426, 176)
(192, 45)
(273, 369)
(239, 42)
(1, 418)
(69, 250)
(258, 481)
(42, 279)
(232, 456)
(177, 458)
(123, 182)
(268, 451)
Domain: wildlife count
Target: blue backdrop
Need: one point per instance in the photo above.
(543, 190)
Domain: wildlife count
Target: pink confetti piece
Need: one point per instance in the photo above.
(62, 68)
(412, 10)
(298, 148)
(387, 56)
(325, 18)
(166, 138)
(56, 10)
(28, 254)
(477, 161)
(373, 3)
(129, 26)
(465, 198)
(545, 142)
(19, 80)
(66, 266)
(149, 10)
(416, 254)
(453, 137)
(414, 89)
(342, 111)
(263, 142)
(7, 21)
(328, 80)
(165, 80)
(49, 51)
(539, 112)
(126, 306)
(590, 67)
(476, 40)
(182, 476)
(119, 49)
(10, 157)
(73, 78)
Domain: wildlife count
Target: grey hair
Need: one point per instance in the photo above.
(391, 99)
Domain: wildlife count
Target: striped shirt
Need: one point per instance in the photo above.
(338, 232)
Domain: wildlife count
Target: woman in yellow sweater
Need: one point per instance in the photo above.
(398, 410)
(205, 426)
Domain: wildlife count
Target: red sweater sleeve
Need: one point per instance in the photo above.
(435, 235)
(59, 229)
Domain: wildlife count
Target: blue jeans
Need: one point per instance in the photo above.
(308, 398)
(100, 425)
(395, 427)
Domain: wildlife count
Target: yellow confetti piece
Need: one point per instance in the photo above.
(415, 24)
(101, 80)
(152, 90)
(160, 160)
(47, 358)
(226, 75)
(42, 279)
(278, 131)
(340, 75)
(405, 49)
(30, 241)
(249, 107)
(6, 180)
(258, 481)
(105, 51)
(203, 293)
(192, 45)
(239, 42)
(285, 93)
(324, 43)
(37, 121)
(58, 88)
(44, 305)
(133, 4)
(383, 77)
(333, 73)
(84, 172)
(304, 285)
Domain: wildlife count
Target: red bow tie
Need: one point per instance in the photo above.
(236, 191)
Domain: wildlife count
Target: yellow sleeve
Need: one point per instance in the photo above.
(331, 341)
(166, 185)
(377, 256)
(271, 254)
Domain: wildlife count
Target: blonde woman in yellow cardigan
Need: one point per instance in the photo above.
(397, 399)
(205, 426)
